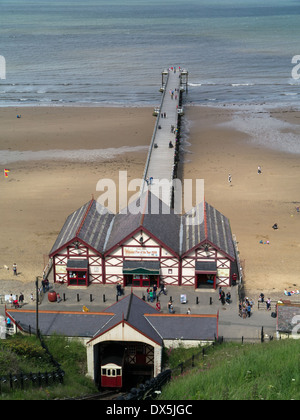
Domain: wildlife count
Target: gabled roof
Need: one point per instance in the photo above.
(90, 223)
(150, 214)
(205, 224)
(103, 231)
(131, 310)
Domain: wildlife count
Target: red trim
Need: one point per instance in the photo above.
(103, 270)
(67, 244)
(131, 326)
(61, 312)
(205, 219)
(84, 217)
(209, 243)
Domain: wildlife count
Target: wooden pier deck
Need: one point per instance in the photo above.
(160, 161)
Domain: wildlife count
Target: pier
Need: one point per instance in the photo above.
(163, 156)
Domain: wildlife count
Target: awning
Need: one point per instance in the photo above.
(141, 267)
(77, 264)
(206, 267)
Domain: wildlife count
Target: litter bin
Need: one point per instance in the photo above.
(52, 296)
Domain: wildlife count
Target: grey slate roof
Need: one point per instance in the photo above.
(103, 231)
(185, 327)
(205, 223)
(133, 310)
(69, 324)
(152, 214)
(89, 223)
(285, 315)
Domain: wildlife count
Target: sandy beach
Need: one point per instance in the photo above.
(253, 202)
(57, 155)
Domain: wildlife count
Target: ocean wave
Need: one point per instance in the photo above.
(242, 84)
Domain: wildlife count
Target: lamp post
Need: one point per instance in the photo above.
(37, 305)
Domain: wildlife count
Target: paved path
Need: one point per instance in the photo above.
(231, 325)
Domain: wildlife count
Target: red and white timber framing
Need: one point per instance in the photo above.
(174, 270)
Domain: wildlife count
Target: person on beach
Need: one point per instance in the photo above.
(21, 298)
(15, 269)
(259, 170)
(229, 179)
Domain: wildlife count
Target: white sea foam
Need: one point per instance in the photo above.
(81, 155)
(265, 129)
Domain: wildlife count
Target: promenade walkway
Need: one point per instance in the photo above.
(160, 162)
(204, 301)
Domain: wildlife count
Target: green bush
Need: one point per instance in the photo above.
(25, 354)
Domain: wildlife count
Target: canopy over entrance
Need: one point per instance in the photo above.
(78, 274)
(77, 265)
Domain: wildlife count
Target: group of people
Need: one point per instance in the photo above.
(14, 302)
(262, 300)
(151, 293)
(149, 181)
(173, 93)
(224, 298)
(245, 308)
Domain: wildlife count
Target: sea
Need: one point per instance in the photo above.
(112, 52)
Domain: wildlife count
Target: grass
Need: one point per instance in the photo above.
(25, 354)
(262, 371)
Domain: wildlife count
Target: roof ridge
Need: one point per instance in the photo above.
(85, 216)
(205, 218)
(129, 307)
(145, 204)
